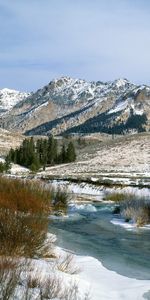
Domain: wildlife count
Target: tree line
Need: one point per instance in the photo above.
(35, 154)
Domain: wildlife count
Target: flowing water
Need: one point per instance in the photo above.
(88, 231)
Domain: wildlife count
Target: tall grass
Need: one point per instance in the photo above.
(24, 196)
(24, 208)
(131, 207)
(137, 210)
(118, 197)
(9, 277)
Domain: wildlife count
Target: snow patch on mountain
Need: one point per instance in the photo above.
(121, 82)
(120, 106)
(9, 98)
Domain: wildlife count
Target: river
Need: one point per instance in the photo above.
(88, 231)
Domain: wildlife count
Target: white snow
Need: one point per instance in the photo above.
(82, 207)
(105, 284)
(2, 160)
(93, 277)
(136, 110)
(128, 225)
(135, 191)
(120, 106)
(122, 223)
(17, 169)
(82, 188)
(9, 98)
(121, 82)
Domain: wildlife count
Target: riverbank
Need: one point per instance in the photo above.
(92, 279)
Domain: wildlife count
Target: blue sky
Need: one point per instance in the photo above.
(89, 39)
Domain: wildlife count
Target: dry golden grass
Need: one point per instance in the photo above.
(10, 271)
(24, 196)
(68, 265)
(118, 197)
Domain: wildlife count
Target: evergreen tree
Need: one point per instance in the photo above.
(70, 155)
(7, 164)
(51, 150)
(35, 165)
(34, 155)
(63, 154)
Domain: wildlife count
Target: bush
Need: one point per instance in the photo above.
(24, 208)
(137, 210)
(4, 167)
(60, 199)
(131, 208)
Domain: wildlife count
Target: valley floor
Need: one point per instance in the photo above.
(125, 161)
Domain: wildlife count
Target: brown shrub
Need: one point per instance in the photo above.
(24, 196)
(24, 208)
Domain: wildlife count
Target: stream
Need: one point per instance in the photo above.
(87, 230)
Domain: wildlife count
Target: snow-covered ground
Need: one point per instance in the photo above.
(105, 284)
(128, 225)
(18, 170)
(92, 277)
(98, 191)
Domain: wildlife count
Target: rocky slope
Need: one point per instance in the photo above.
(9, 140)
(69, 105)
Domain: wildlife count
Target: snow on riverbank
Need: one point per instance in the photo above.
(78, 188)
(105, 284)
(98, 191)
(102, 284)
(128, 225)
(137, 192)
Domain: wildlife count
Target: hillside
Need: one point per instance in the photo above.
(124, 159)
(69, 105)
(9, 140)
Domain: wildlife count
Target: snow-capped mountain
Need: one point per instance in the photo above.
(9, 98)
(75, 105)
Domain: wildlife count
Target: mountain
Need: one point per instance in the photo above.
(68, 105)
(9, 98)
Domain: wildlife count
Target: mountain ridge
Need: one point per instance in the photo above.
(67, 103)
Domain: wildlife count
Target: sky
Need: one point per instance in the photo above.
(89, 39)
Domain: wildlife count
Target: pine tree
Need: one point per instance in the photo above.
(63, 154)
(34, 155)
(51, 150)
(70, 155)
(7, 164)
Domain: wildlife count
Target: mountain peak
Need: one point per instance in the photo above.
(120, 82)
(9, 98)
